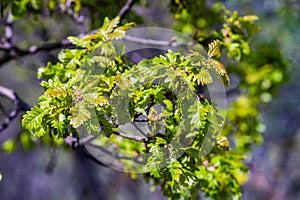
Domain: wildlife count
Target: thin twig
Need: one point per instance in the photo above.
(168, 43)
(8, 119)
(11, 95)
(2, 110)
(150, 41)
(8, 93)
(73, 142)
(79, 19)
(126, 8)
(141, 120)
(116, 155)
(132, 137)
(16, 52)
(21, 106)
(9, 29)
(13, 52)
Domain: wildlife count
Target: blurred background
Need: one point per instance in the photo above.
(35, 171)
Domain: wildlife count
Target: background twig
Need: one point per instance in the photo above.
(126, 8)
(21, 106)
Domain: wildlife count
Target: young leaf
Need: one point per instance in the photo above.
(204, 77)
(113, 24)
(224, 79)
(217, 66)
(80, 114)
(71, 57)
(117, 34)
(103, 61)
(94, 98)
(33, 118)
(214, 49)
(59, 122)
(88, 38)
(55, 92)
(77, 41)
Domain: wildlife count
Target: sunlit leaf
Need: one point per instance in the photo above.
(223, 142)
(79, 114)
(204, 77)
(103, 61)
(89, 38)
(55, 92)
(59, 122)
(94, 98)
(213, 49)
(33, 118)
(217, 66)
(113, 24)
(117, 34)
(71, 57)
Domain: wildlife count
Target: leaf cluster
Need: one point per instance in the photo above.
(91, 90)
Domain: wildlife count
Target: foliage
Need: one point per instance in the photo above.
(94, 88)
(259, 73)
(72, 88)
(20, 8)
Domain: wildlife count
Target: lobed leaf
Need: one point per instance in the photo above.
(79, 114)
(214, 49)
(204, 77)
(33, 119)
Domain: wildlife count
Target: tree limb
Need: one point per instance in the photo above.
(131, 137)
(74, 143)
(78, 19)
(116, 155)
(171, 43)
(9, 29)
(15, 52)
(21, 106)
(126, 8)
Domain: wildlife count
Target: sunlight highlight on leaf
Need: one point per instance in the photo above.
(214, 49)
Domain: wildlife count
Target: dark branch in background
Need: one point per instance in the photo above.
(9, 30)
(132, 137)
(78, 19)
(141, 120)
(126, 8)
(12, 52)
(116, 155)
(2, 110)
(171, 42)
(15, 52)
(6, 42)
(74, 143)
(21, 106)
